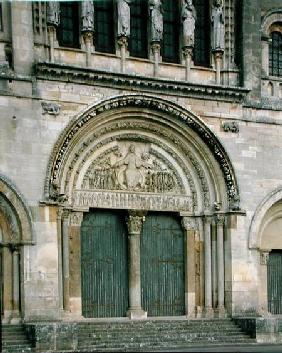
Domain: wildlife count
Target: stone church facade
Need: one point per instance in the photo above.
(140, 160)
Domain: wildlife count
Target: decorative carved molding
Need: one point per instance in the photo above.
(157, 104)
(50, 108)
(264, 257)
(230, 126)
(134, 222)
(130, 200)
(55, 72)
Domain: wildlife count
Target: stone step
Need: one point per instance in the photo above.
(158, 345)
(162, 335)
(14, 339)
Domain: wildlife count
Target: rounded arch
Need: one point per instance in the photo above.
(166, 136)
(14, 208)
(255, 227)
(271, 17)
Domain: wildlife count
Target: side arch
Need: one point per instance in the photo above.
(174, 132)
(254, 231)
(270, 18)
(14, 207)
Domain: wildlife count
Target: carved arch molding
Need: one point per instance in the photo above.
(140, 152)
(16, 213)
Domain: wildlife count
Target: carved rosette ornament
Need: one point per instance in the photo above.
(134, 222)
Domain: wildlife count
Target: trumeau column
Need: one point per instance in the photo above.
(65, 262)
(208, 267)
(53, 20)
(220, 220)
(123, 34)
(134, 223)
(156, 24)
(87, 28)
(190, 226)
(22, 36)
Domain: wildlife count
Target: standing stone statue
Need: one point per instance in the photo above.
(87, 16)
(156, 10)
(189, 20)
(53, 13)
(217, 19)
(123, 7)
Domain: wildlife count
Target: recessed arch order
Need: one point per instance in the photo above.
(145, 151)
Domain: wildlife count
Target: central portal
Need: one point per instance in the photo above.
(104, 270)
(162, 265)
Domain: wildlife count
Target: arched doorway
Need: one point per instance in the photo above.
(15, 233)
(146, 155)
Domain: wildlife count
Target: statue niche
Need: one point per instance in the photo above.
(136, 169)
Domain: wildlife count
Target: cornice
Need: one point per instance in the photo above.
(65, 73)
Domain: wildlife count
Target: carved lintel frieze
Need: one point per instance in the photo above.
(50, 108)
(189, 223)
(230, 126)
(134, 222)
(264, 257)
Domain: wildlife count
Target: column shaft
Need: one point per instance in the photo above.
(220, 265)
(208, 268)
(65, 235)
(16, 281)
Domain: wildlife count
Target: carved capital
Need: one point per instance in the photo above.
(264, 257)
(156, 47)
(188, 52)
(189, 223)
(88, 37)
(65, 214)
(122, 41)
(76, 218)
(220, 220)
(134, 222)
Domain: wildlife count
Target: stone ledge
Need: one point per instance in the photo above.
(65, 73)
(263, 329)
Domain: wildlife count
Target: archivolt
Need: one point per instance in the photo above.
(177, 131)
(17, 213)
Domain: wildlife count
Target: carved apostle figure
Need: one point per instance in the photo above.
(156, 10)
(189, 20)
(123, 7)
(53, 13)
(87, 16)
(217, 19)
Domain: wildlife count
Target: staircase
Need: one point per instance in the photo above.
(14, 339)
(159, 334)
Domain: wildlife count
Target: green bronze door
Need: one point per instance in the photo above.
(162, 265)
(274, 282)
(104, 272)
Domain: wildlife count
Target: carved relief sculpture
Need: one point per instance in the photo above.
(123, 7)
(53, 13)
(156, 12)
(189, 20)
(87, 16)
(217, 20)
(136, 170)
